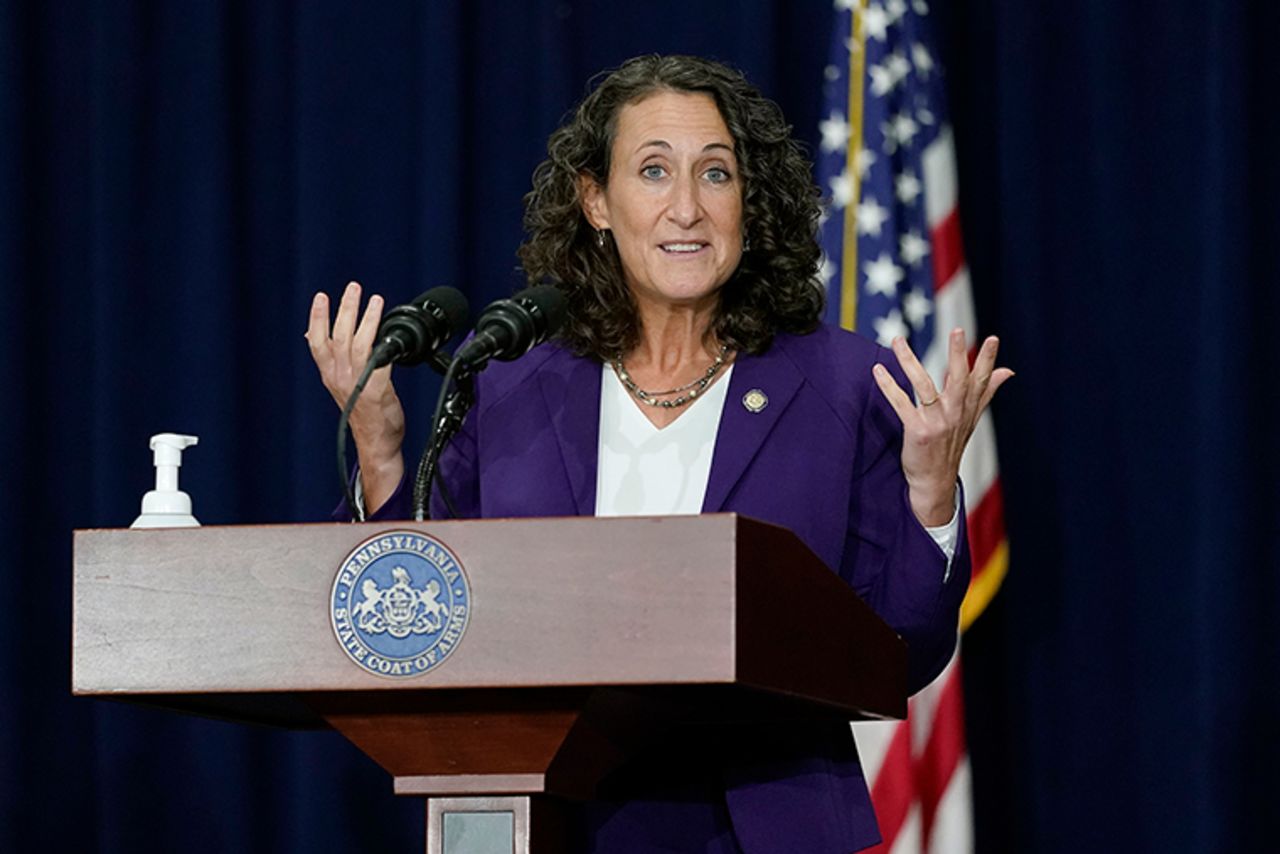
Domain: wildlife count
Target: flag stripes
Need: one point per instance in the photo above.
(920, 772)
(948, 254)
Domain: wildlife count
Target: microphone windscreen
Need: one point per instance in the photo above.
(550, 301)
(450, 301)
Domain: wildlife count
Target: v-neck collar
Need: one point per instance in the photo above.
(699, 404)
(571, 387)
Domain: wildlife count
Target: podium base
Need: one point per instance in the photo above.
(506, 824)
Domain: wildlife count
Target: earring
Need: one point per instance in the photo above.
(746, 243)
(600, 238)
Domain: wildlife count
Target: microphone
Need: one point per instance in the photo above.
(509, 328)
(412, 333)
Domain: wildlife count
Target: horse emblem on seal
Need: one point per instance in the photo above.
(400, 609)
(401, 603)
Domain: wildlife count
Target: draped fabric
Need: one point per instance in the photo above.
(177, 180)
(1120, 175)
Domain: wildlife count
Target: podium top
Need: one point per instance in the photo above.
(234, 620)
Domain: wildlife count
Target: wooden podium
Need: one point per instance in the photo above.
(585, 639)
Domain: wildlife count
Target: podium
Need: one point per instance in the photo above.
(584, 640)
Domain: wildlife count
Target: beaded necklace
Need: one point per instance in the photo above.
(694, 388)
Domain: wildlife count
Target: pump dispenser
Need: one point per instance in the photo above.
(166, 506)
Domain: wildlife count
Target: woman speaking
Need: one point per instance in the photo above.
(692, 374)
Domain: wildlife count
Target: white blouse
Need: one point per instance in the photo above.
(644, 470)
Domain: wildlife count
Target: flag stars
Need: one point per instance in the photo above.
(879, 191)
(890, 73)
(883, 276)
(835, 132)
(899, 130)
(890, 326)
(871, 217)
(913, 248)
(898, 65)
(882, 80)
(826, 272)
(863, 161)
(875, 22)
(917, 308)
(907, 187)
(922, 60)
(841, 189)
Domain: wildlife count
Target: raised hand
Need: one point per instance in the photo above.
(377, 422)
(937, 425)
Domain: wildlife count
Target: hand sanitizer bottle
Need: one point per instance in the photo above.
(166, 506)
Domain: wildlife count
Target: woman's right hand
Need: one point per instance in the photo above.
(377, 422)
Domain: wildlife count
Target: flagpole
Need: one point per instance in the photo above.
(849, 253)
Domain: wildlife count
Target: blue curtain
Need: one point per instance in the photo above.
(1119, 175)
(177, 180)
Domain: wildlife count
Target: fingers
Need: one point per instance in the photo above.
(957, 363)
(362, 344)
(980, 378)
(318, 328)
(986, 359)
(898, 399)
(934, 437)
(919, 377)
(377, 422)
(348, 337)
(341, 354)
(998, 378)
(983, 380)
(348, 310)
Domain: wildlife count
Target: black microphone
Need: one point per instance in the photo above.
(509, 328)
(412, 333)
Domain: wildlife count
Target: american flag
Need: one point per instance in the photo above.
(894, 265)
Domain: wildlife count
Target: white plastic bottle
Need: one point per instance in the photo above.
(166, 506)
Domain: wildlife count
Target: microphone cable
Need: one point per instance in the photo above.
(344, 475)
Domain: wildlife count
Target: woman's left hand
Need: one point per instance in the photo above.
(938, 426)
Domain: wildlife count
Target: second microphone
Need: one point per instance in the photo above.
(509, 328)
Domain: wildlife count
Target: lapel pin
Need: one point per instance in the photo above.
(755, 400)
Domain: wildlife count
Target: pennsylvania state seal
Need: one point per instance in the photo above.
(400, 604)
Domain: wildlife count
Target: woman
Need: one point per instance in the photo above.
(693, 375)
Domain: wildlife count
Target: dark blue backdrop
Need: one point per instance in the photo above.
(176, 180)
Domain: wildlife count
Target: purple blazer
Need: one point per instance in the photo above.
(821, 458)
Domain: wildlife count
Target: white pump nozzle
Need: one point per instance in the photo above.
(166, 506)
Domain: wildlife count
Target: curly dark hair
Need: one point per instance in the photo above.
(775, 287)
